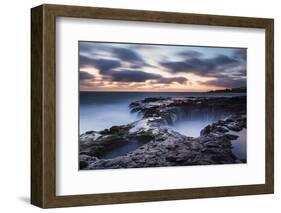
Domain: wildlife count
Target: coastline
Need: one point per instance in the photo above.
(155, 144)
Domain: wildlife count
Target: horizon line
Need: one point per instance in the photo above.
(213, 90)
(141, 91)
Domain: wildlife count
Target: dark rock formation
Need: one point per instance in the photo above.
(158, 144)
(173, 109)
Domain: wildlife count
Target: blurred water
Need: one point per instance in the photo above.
(240, 145)
(100, 110)
(191, 128)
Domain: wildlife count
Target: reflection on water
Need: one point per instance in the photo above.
(240, 145)
(123, 149)
(193, 121)
(190, 128)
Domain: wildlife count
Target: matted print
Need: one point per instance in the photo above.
(157, 105)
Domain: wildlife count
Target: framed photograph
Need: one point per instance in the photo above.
(137, 106)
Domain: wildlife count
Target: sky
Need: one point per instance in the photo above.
(159, 68)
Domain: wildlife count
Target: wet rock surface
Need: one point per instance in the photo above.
(158, 145)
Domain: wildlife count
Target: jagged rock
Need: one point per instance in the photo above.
(159, 145)
(173, 109)
(85, 160)
(83, 164)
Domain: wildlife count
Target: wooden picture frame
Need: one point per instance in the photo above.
(43, 105)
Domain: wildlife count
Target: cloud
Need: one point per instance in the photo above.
(111, 70)
(93, 49)
(110, 59)
(200, 66)
(190, 54)
(132, 76)
(85, 48)
(140, 76)
(180, 80)
(123, 64)
(227, 71)
(103, 65)
(127, 55)
(85, 75)
(112, 51)
(225, 82)
(240, 54)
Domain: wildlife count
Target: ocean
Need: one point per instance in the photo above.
(100, 110)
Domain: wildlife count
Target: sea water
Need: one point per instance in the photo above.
(101, 110)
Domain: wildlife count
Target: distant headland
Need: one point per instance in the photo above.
(230, 90)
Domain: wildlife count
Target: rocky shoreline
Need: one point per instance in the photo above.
(159, 145)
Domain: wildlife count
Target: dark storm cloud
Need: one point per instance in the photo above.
(127, 63)
(127, 55)
(114, 70)
(239, 72)
(92, 49)
(228, 71)
(180, 80)
(85, 48)
(226, 82)
(116, 53)
(140, 76)
(132, 76)
(190, 54)
(85, 75)
(103, 65)
(222, 60)
(200, 66)
(242, 72)
(240, 54)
